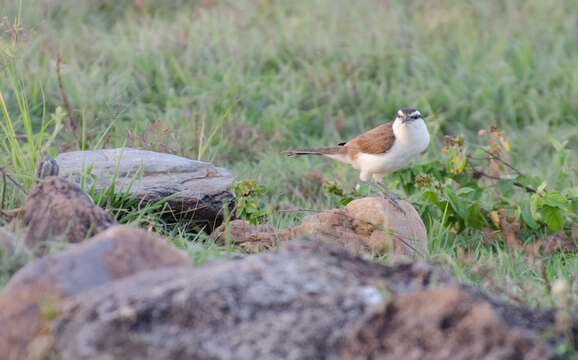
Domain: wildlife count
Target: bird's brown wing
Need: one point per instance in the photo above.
(375, 141)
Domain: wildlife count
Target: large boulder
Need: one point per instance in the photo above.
(58, 210)
(311, 300)
(368, 224)
(34, 294)
(197, 189)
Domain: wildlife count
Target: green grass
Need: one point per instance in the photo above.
(237, 82)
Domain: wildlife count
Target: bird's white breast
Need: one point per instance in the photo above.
(411, 138)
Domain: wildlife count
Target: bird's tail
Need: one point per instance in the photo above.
(335, 150)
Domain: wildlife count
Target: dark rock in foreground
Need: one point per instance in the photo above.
(311, 300)
(35, 293)
(197, 189)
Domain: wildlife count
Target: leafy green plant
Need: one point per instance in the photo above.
(482, 190)
(344, 196)
(247, 194)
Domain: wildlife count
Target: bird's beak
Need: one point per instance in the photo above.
(405, 119)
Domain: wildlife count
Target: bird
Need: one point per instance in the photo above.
(380, 151)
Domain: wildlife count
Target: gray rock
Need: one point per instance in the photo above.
(311, 300)
(198, 189)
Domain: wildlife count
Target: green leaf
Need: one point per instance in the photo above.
(52, 152)
(535, 204)
(557, 145)
(562, 157)
(517, 212)
(541, 187)
(478, 153)
(507, 187)
(430, 196)
(528, 218)
(555, 199)
(464, 191)
(574, 206)
(346, 200)
(453, 199)
(552, 216)
(478, 191)
(530, 181)
(572, 192)
(406, 177)
(474, 217)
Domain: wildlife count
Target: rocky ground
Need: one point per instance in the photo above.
(125, 293)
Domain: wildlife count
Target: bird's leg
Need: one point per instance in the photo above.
(385, 195)
(391, 194)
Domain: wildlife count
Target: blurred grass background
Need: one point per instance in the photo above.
(300, 73)
(303, 72)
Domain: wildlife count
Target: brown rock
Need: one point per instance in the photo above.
(246, 236)
(367, 224)
(407, 232)
(442, 323)
(33, 296)
(58, 210)
(337, 225)
(310, 300)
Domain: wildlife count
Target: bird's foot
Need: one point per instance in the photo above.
(387, 195)
(393, 200)
(390, 195)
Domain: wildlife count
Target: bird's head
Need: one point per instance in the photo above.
(408, 114)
